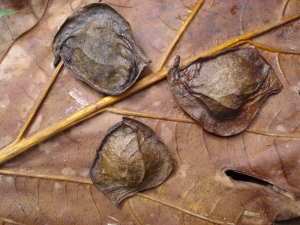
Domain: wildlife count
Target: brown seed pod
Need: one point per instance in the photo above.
(130, 159)
(223, 93)
(97, 46)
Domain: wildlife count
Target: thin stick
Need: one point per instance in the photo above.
(272, 49)
(88, 111)
(39, 103)
(241, 39)
(148, 115)
(178, 35)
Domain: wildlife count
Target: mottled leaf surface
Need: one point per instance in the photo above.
(14, 25)
(50, 184)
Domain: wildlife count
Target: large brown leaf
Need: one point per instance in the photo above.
(50, 183)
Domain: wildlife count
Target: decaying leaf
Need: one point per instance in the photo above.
(50, 183)
(97, 46)
(223, 93)
(130, 159)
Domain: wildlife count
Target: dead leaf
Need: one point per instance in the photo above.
(50, 182)
(130, 159)
(97, 46)
(223, 92)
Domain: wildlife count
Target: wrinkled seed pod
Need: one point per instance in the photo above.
(97, 46)
(223, 92)
(130, 159)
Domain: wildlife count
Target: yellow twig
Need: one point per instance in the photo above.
(147, 115)
(241, 39)
(179, 33)
(38, 103)
(271, 49)
(88, 111)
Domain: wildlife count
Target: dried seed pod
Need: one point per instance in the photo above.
(97, 46)
(129, 159)
(223, 92)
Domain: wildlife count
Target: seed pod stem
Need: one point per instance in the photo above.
(176, 61)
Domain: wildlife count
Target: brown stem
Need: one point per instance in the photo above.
(39, 103)
(89, 111)
(179, 34)
(241, 39)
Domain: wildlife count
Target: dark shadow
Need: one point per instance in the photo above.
(246, 178)
(295, 221)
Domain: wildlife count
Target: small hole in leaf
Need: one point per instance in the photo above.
(294, 221)
(246, 178)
